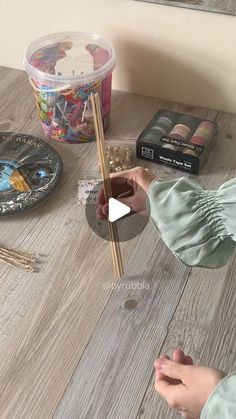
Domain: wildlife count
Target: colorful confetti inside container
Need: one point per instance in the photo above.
(64, 68)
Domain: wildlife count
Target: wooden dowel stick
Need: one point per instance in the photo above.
(108, 191)
(108, 184)
(100, 141)
(102, 165)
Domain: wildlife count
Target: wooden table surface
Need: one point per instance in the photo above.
(72, 345)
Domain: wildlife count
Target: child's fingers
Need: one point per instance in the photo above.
(188, 360)
(159, 375)
(105, 210)
(100, 197)
(118, 184)
(99, 213)
(162, 356)
(178, 356)
(172, 369)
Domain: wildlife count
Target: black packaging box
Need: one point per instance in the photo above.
(178, 140)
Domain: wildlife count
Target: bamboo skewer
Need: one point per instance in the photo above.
(100, 141)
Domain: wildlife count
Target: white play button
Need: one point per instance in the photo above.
(117, 210)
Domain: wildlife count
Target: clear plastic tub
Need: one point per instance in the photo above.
(64, 68)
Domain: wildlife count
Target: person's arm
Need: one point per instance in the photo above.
(198, 226)
(195, 391)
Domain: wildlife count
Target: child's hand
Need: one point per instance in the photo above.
(185, 387)
(133, 183)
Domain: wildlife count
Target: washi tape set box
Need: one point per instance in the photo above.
(177, 139)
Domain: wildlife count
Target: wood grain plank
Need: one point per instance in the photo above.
(115, 368)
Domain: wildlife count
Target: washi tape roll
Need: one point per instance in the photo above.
(203, 133)
(160, 128)
(181, 131)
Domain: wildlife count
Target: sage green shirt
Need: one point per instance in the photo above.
(222, 402)
(198, 226)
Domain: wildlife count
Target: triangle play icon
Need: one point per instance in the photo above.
(117, 210)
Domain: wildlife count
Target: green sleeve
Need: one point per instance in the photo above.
(222, 402)
(198, 226)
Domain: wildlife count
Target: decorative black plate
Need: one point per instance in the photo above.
(29, 171)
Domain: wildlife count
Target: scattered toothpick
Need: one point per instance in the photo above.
(18, 259)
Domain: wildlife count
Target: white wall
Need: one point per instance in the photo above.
(173, 53)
